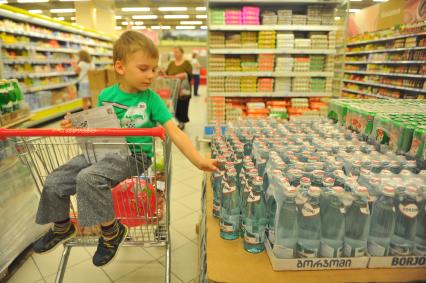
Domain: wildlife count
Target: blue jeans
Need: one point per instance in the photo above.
(196, 83)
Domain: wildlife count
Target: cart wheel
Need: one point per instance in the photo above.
(160, 233)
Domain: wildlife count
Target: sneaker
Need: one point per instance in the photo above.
(51, 239)
(108, 248)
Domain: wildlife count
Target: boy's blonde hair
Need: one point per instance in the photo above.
(131, 42)
(84, 56)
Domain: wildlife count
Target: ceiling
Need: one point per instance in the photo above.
(125, 18)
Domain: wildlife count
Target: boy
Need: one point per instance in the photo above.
(135, 60)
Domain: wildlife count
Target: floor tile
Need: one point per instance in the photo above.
(195, 182)
(84, 272)
(48, 263)
(178, 210)
(186, 225)
(185, 262)
(193, 201)
(177, 240)
(27, 273)
(151, 273)
(179, 190)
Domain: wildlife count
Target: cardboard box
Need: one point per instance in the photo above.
(100, 79)
(111, 76)
(397, 262)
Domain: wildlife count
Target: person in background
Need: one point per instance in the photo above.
(182, 69)
(195, 72)
(84, 64)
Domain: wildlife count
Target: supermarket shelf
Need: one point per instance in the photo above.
(270, 74)
(367, 94)
(270, 51)
(387, 38)
(103, 63)
(386, 50)
(386, 86)
(385, 62)
(270, 94)
(47, 87)
(37, 75)
(272, 27)
(16, 122)
(36, 61)
(45, 36)
(387, 74)
(51, 112)
(50, 49)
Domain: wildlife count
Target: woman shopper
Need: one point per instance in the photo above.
(182, 69)
(84, 64)
(195, 72)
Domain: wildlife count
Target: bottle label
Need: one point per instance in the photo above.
(216, 207)
(410, 210)
(228, 189)
(252, 238)
(271, 235)
(253, 198)
(301, 199)
(305, 252)
(375, 249)
(230, 223)
(328, 251)
(400, 250)
(283, 252)
(365, 210)
(309, 210)
(353, 252)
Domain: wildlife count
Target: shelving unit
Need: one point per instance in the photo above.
(389, 67)
(39, 51)
(249, 49)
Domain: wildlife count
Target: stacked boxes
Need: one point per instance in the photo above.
(314, 14)
(269, 18)
(248, 84)
(299, 19)
(284, 64)
(248, 63)
(329, 65)
(327, 16)
(251, 15)
(301, 64)
(285, 40)
(267, 39)
(216, 84)
(216, 109)
(332, 40)
(233, 112)
(301, 84)
(266, 62)
(319, 41)
(317, 63)
(232, 84)
(285, 17)
(233, 64)
(217, 39)
(302, 43)
(233, 17)
(318, 84)
(299, 102)
(233, 40)
(328, 84)
(249, 39)
(217, 63)
(265, 85)
(217, 16)
(282, 86)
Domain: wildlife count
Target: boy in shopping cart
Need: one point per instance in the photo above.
(136, 106)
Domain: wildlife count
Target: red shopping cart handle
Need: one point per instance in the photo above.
(104, 132)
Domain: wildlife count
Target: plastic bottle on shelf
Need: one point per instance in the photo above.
(402, 241)
(420, 241)
(382, 223)
(217, 185)
(326, 190)
(230, 207)
(255, 220)
(333, 225)
(274, 192)
(302, 191)
(309, 226)
(251, 175)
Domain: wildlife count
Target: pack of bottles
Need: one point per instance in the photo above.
(11, 96)
(313, 188)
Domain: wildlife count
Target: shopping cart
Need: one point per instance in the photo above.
(168, 90)
(141, 201)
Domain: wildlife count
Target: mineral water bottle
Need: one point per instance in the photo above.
(238, 160)
(374, 191)
(302, 191)
(217, 185)
(382, 223)
(309, 226)
(286, 225)
(278, 183)
(357, 223)
(255, 220)
(333, 225)
(420, 242)
(244, 195)
(230, 207)
(317, 178)
(327, 186)
(244, 174)
(402, 241)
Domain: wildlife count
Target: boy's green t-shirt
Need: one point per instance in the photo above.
(144, 109)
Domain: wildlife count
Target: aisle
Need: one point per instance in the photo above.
(138, 264)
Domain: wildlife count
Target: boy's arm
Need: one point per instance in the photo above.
(182, 141)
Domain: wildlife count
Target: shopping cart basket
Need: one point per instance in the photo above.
(141, 201)
(168, 90)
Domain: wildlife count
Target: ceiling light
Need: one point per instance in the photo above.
(191, 22)
(165, 27)
(201, 16)
(118, 17)
(32, 1)
(126, 23)
(136, 9)
(62, 10)
(168, 9)
(176, 16)
(356, 0)
(145, 17)
(185, 27)
(200, 8)
(380, 0)
(203, 27)
(3, 1)
(139, 23)
(337, 18)
(354, 10)
(155, 27)
(59, 18)
(35, 11)
(74, 0)
(138, 27)
(72, 18)
(118, 28)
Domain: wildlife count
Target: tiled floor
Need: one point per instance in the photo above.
(138, 264)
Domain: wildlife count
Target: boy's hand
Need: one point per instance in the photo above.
(208, 165)
(66, 124)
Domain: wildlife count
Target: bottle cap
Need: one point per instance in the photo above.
(283, 180)
(305, 180)
(257, 181)
(411, 191)
(389, 191)
(338, 190)
(329, 180)
(363, 191)
(277, 172)
(290, 191)
(314, 191)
